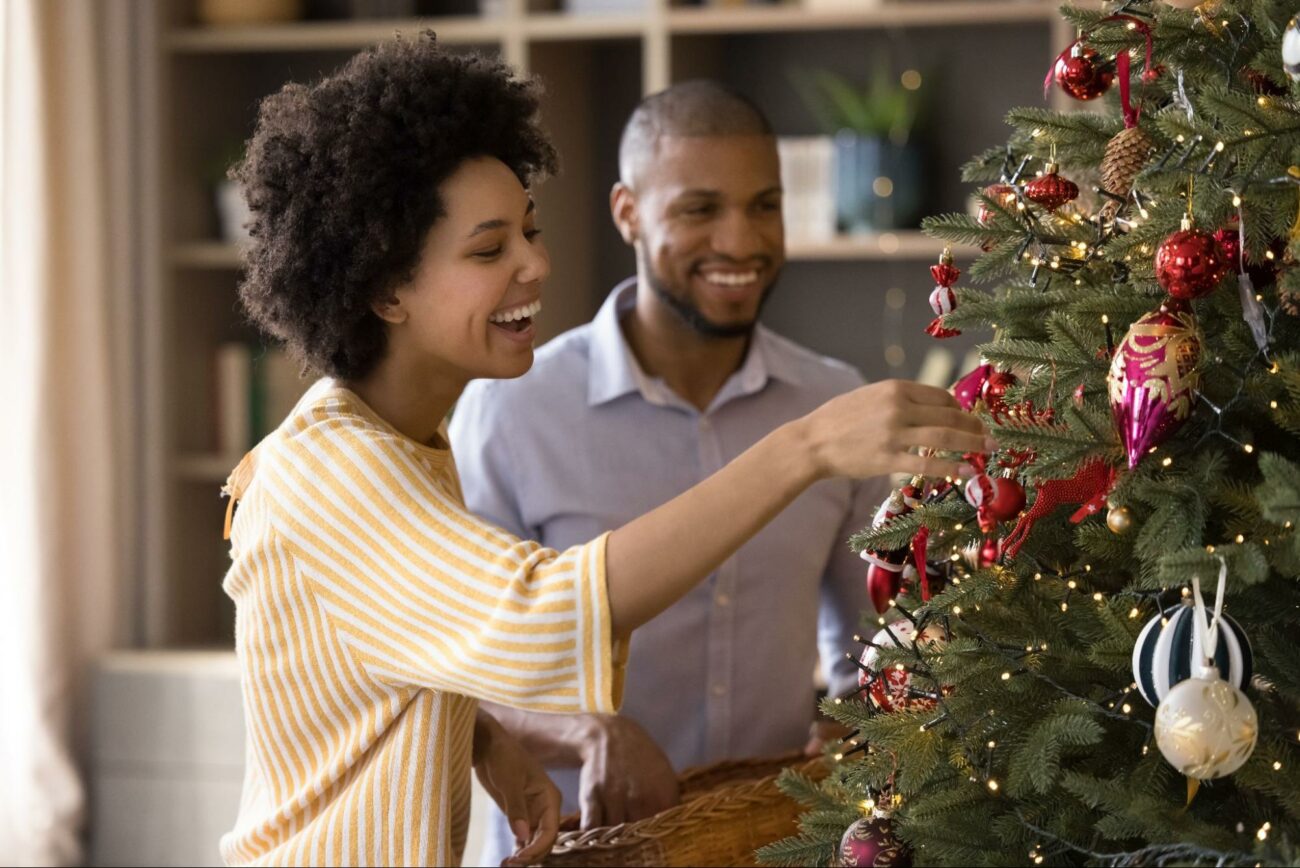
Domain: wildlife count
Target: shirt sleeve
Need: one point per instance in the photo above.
(424, 593)
(844, 589)
(484, 460)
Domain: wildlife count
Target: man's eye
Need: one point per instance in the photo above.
(699, 210)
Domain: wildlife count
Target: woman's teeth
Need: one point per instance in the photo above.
(526, 312)
(731, 279)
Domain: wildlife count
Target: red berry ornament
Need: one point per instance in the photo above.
(1083, 74)
(1190, 263)
(1229, 239)
(1051, 190)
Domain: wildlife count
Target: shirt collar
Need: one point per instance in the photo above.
(615, 371)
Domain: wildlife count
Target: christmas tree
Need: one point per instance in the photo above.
(1090, 653)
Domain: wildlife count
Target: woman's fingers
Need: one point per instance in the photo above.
(928, 415)
(544, 808)
(931, 466)
(944, 439)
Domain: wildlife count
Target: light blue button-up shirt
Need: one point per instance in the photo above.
(586, 441)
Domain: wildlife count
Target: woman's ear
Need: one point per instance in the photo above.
(622, 207)
(391, 310)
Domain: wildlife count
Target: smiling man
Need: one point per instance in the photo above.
(673, 378)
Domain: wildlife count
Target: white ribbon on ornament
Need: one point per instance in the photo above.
(1207, 634)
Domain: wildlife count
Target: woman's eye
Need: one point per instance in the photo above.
(532, 233)
(488, 254)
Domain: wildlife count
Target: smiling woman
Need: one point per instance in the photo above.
(395, 249)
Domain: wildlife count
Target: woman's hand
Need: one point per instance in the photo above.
(880, 428)
(519, 785)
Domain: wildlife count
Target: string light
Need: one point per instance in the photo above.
(993, 786)
(1098, 597)
(1166, 461)
(1126, 708)
(1249, 449)
(1277, 766)
(1239, 539)
(1133, 612)
(1263, 831)
(1006, 676)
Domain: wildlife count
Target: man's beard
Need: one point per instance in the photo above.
(691, 315)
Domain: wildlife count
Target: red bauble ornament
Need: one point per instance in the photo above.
(891, 688)
(1003, 194)
(1190, 263)
(871, 843)
(1051, 190)
(1083, 74)
(883, 585)
(990, 552)
(1008, 499)
(994, 391)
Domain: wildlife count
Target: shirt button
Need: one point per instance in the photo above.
(719, 690)
(722, 600)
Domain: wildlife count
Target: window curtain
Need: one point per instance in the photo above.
(67, 315)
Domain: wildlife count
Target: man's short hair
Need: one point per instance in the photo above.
(700, 107)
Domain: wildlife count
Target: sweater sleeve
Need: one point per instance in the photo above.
(425, 593)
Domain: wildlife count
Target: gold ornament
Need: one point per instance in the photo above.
(1126, 155)
(1119, 519)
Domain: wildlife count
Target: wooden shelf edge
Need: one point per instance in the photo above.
(868, 16)
(901, 245)
(206, 254)
(563, 26)
(324, 35)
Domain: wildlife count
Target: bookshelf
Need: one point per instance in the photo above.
(839, 296)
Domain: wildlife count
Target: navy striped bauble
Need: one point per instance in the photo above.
(1165, 655)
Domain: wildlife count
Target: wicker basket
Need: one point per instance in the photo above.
(728, 811)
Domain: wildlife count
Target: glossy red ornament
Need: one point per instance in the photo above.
(990, 552)
(1190, 263)
(1008, 499)
(871, 843)
(883, 585)
(1083, 74)
(1003, 194)
(994, 390)
(1050, 190)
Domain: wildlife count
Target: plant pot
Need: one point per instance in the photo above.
(233, 215)
(879, 185)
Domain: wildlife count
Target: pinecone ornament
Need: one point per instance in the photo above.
(1126, 155)
(1289, 301)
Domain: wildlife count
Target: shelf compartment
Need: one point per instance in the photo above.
(326, 35)
(874, 16)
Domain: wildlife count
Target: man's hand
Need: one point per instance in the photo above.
(625, 776)
(822, 733)
(519, 785)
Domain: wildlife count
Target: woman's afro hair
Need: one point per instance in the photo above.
(342, 178)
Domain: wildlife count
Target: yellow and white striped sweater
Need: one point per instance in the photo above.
(373, 611)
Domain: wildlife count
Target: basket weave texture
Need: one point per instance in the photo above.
(728, 810)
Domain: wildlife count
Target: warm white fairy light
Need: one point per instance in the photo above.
(1133, 612)
(1006, 676)
(1277, 765)
(1166, 461)
(1126, 708)
(993, 785)
(1249, 448)
(1239, 539)
(1236, 201)
(1272, 405)
(1098, 597)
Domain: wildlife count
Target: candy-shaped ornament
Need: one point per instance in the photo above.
(871, 843)
(1169, 646)
(943, 300)
(891, 688)
(1153, 378)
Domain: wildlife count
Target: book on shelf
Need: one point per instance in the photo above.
(807, 177)
(256, 389)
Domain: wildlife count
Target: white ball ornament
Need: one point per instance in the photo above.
(1291, 50)
(1205, 727)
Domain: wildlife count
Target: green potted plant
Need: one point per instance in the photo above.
(879, 167)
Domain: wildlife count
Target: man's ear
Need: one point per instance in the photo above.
(391, 310)
(623, 208)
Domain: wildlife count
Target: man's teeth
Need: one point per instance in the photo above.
(730, 279)
(527, 310)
